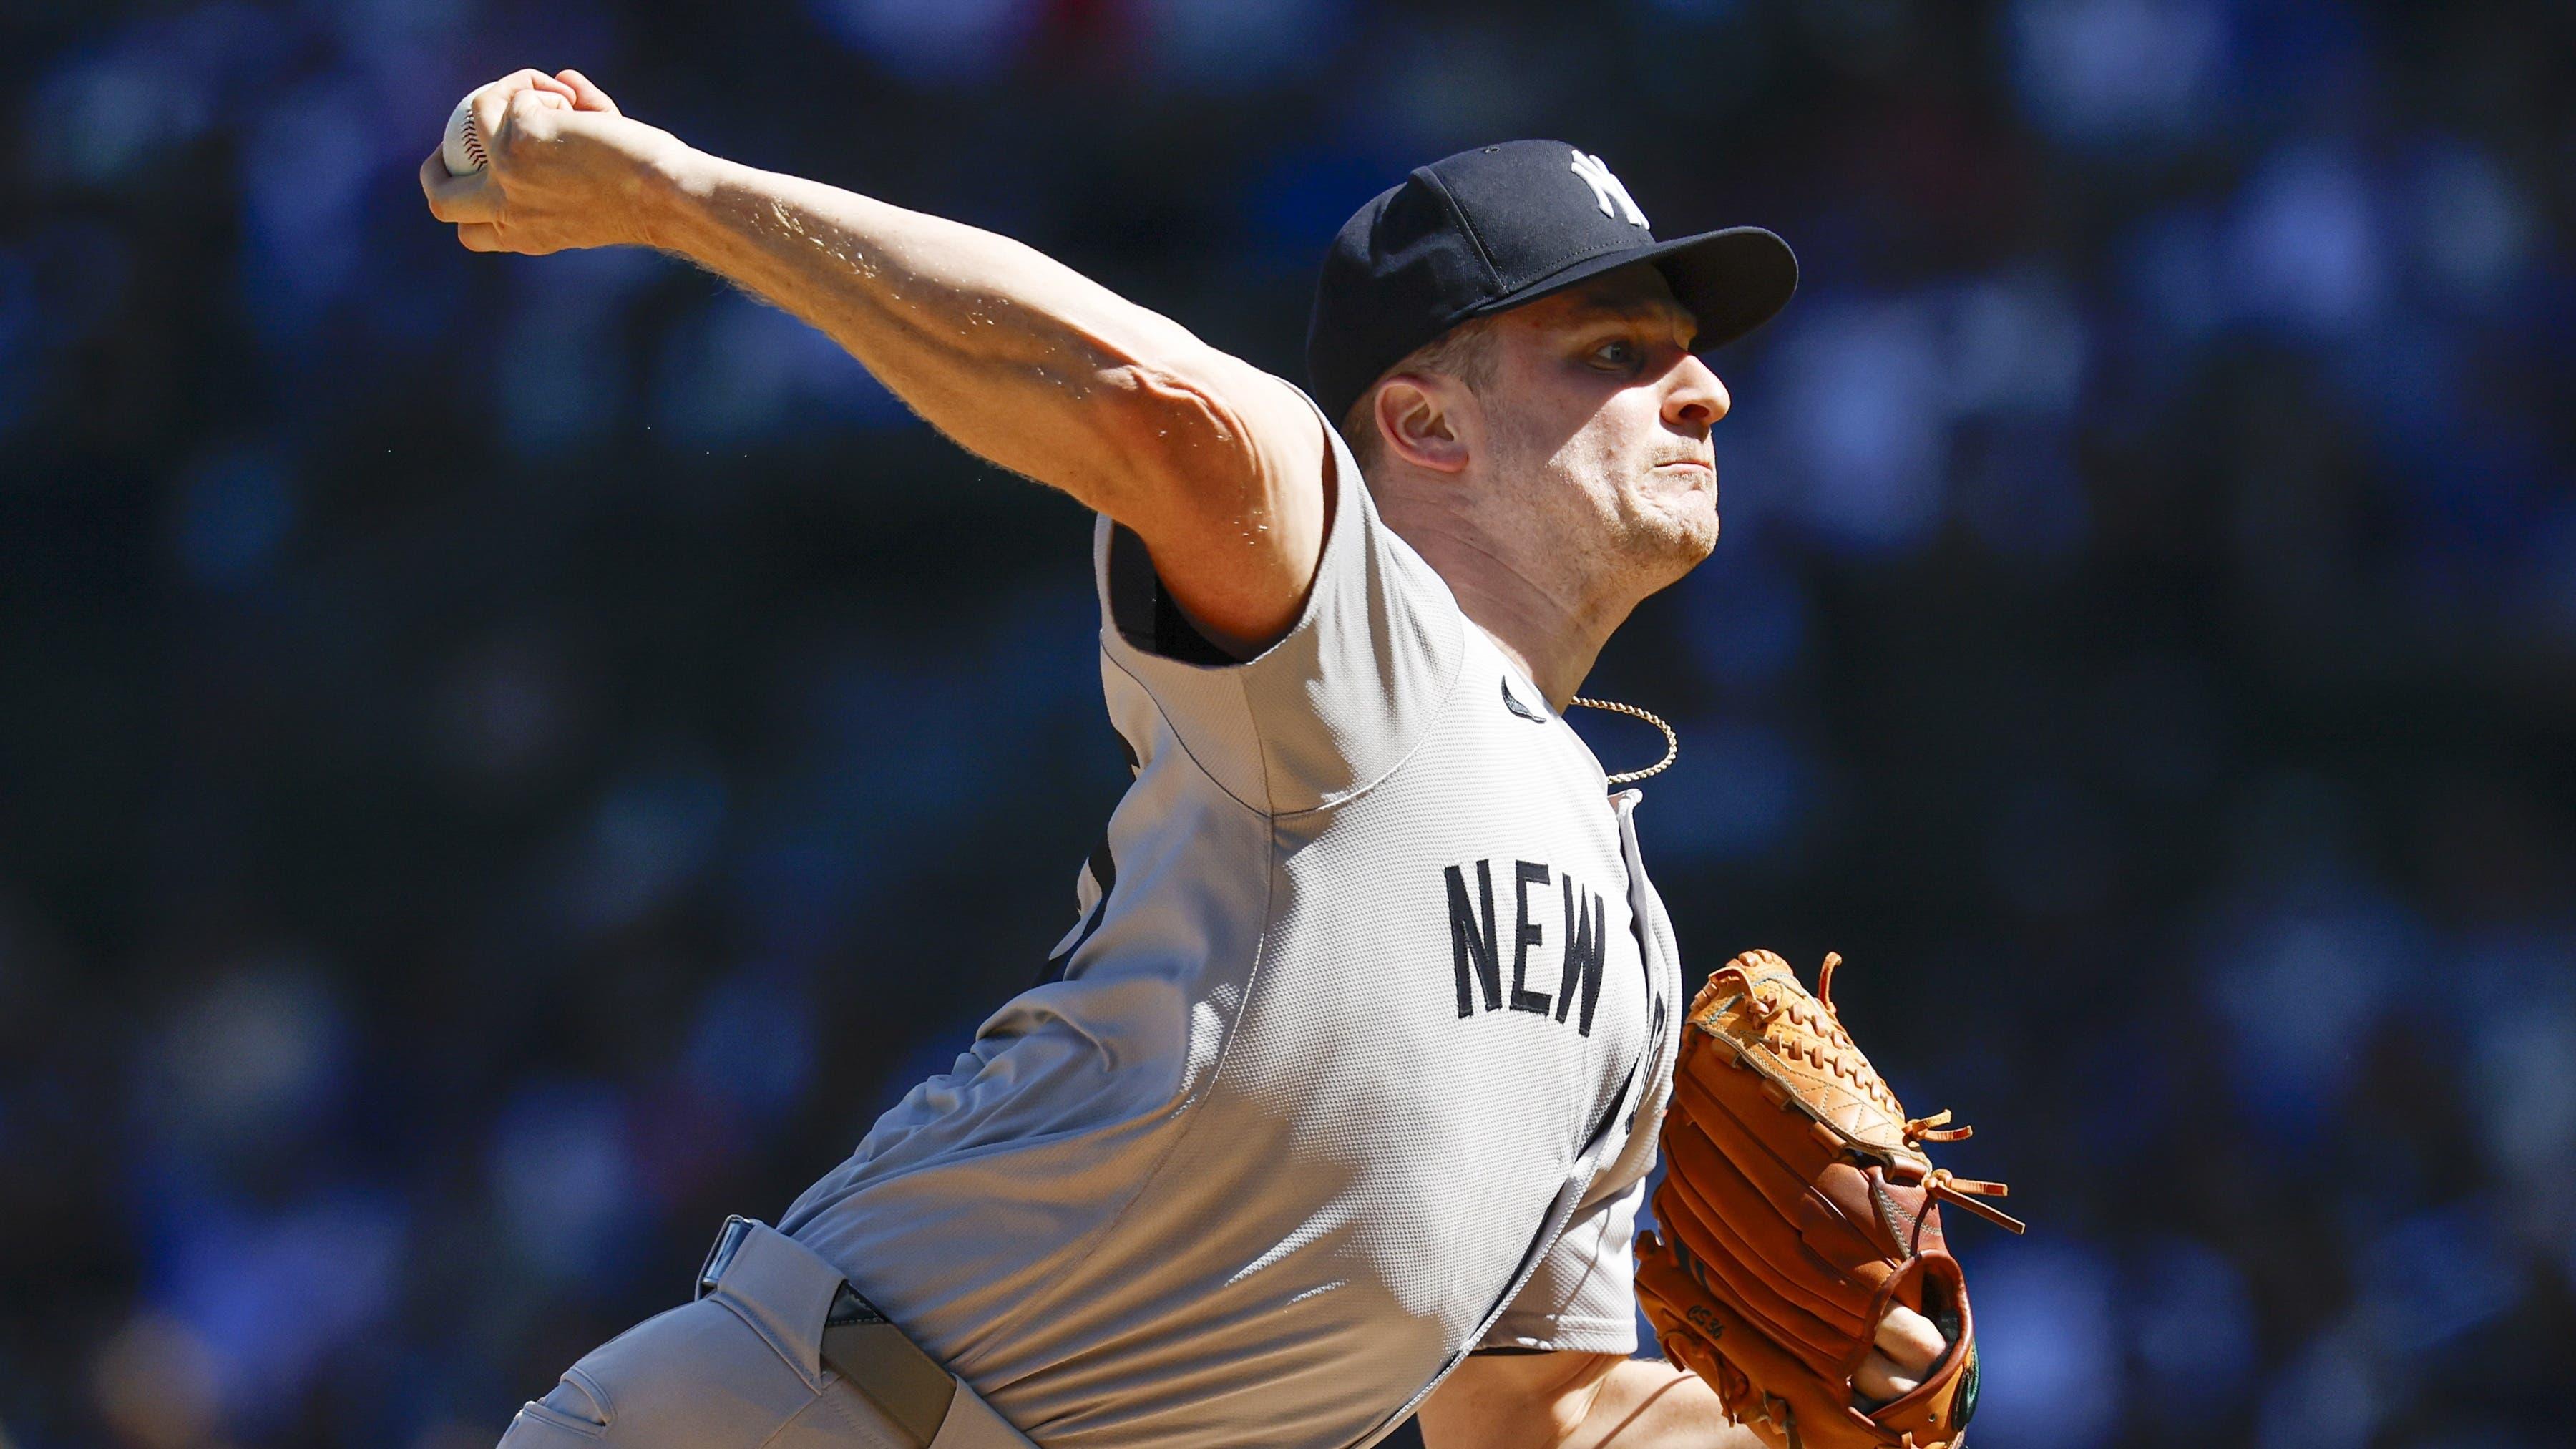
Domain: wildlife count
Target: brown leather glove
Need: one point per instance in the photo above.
(1796, 1209)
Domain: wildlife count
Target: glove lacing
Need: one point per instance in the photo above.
(1828, 1047)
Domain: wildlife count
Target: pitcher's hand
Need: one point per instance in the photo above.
(566, 169)
(1908, 1346)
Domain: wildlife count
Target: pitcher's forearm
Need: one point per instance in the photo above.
(1648, 1404)
(1016, 356)
(1216, 464)
(1575, 1400)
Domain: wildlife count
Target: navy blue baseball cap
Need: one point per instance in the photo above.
(1489, 229)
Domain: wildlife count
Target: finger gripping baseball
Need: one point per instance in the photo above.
(1797, 1209)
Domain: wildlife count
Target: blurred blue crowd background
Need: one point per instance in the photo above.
(504, 761)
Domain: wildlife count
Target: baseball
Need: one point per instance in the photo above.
(462, 149)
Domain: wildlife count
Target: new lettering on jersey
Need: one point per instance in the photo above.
(1476, 963)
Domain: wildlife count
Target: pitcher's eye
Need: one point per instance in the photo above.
(1619, 352)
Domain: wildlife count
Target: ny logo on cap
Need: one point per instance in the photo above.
(1606, 188)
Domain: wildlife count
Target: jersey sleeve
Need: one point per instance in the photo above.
(1332, 707)
(1583, 1296)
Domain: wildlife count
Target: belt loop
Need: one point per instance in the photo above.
(720, 1253)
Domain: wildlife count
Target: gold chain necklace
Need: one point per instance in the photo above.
(1672, 742)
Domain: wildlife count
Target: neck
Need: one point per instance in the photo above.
(1542, 622)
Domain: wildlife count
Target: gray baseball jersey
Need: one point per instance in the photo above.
(1366, 959)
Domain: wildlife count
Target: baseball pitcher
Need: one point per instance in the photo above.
(1332, 1116)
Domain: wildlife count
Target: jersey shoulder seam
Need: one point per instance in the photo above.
(1183, 740)
(1439, 717)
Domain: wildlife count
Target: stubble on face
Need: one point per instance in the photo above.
(1622, 498)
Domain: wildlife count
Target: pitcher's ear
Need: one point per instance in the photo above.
(1419, 419)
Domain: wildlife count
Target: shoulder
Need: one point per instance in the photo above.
(1353, 683)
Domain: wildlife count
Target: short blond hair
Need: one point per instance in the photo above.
(1465, 352)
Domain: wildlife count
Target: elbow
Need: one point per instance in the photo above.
(1175, 440)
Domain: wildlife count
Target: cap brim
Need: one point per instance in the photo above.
(1732, 280)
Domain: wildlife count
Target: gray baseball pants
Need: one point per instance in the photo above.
(743, 1367)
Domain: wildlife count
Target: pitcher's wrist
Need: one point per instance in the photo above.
(671, 193)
